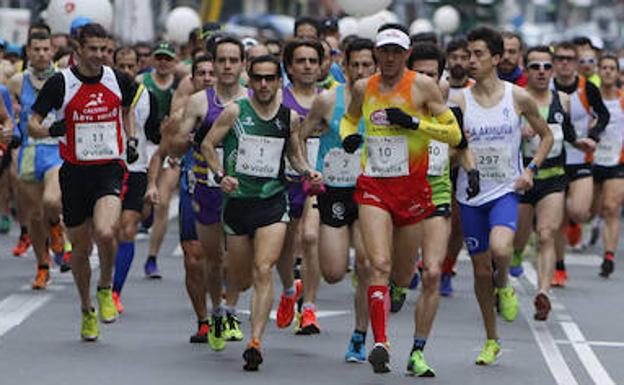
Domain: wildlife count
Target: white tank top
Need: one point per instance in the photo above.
(494, 136)
(609, 149)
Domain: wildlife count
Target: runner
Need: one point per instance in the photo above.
(256, 134)
(509, 67)
(492, 111)
(338, 212)
(609, 163)
(394, 161)
(91, 99)
(162, 83)
(544, 203)
(39, 161)
(590, 118)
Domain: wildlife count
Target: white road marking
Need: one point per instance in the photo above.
(17, 307)
(601, 344)
(319, 313)
(571, 259)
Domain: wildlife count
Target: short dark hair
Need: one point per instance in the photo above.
(291, 47)
(39, 25)
(143, 44)
(398, 26)
(227, 40)
(62, 51)
(306, 20)
(359, 44)
(610, 57)
(568, 45)
(582, 40)
(513, 35)
(266, 59)
(457, 44)
(537, 48)
(91, 30)
(491, 37)
(125, 50)
(37, 36)
(198, 60)
(427, 51)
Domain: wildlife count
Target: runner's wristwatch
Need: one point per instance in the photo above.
(217, 177)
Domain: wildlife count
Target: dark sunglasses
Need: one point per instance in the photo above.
(268, 78)
(565, 58)
(538, 65)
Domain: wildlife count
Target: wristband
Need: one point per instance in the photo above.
(217, 177)
(533, 167)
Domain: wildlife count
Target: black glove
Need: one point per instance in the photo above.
(399, 118)
(132, 154)
(16, 141)
(351, 143)
(58, 128)
(473, 188)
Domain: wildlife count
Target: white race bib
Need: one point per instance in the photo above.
(387, 156)
(259, 156)
(438, 158)
(211, 182)
(608, 151)
(341, 169)
(96, 141)
(493, 162)
(532, 145)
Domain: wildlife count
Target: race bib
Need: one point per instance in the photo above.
(386, 156)
(96, 141)
(259, 156)
(493, 162)
(438, 158)
(608, 151)
(531, 146)
(341, 169)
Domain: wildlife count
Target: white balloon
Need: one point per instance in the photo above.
(368, 26)
(363, 7)
(180, 22)
(60, 13)
(347, 26)
(420, 25)
(446, 19)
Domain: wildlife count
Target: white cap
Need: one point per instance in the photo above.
(393, 36)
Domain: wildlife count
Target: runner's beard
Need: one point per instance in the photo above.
(458, 72)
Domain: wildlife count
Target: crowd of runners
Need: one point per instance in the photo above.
(319, 155)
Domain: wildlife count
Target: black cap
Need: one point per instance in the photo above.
(330, 24)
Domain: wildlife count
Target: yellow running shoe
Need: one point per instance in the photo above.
(108, 311)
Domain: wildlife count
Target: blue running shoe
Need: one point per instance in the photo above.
(357, 349)
(151, 269)
(415, 281)
(446, 287)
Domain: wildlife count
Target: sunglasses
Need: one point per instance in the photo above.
(538, 65)
(587, 60)
(268, 78)
(564, 58)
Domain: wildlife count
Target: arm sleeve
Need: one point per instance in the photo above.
(51, 95)
(599, 108)
(459, 116)
(445, 128)
(128, 88)
(569, 134)
(152, 126)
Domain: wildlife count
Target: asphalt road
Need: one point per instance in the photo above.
(581, 343)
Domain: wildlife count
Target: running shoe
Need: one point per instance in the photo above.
(42, 278)
(397, 297)
(252, 356)
(446, 285)
(57, 240)
(606, 268)
(309, 325)
(232, 328)
(515, 268)
(286, 307)
(66, 264)
(23, 243)
(107, 309)
(488, 354)
(151, 269)
(357, 349)
(507, 303)
(201, 337)
(559, 279)
(417, 366)
(5, 224)
(216, 339)
(90, 326)
(542, 307)
(415, 281)
(117, 301)
(379, 357)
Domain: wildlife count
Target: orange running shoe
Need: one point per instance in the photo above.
(23, 243)
(57, 240)
(309, 324)
(117, 300)
(286, 307)
(42, 278)
(559, 279)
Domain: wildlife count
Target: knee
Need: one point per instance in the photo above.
(310, 238)
(610, 209)
(105, 235)
(52, 205)
(500, 249)
(332, 276)
(380, 266)
(192, 262)
(546, 234)
(579, 215)
(263, 273)
(431, 277)
(128, 231)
